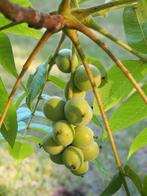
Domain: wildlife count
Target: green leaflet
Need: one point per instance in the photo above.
(139, 142)
(6, 55)
(131, 111)
(135, 29)
(130, 173)
(57, 81)
(9, 128)
(113, 186)
(36, 82)
(118, 86)
(21, 150)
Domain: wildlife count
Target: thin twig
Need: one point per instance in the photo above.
(38, 47)
(92, 10)
(76, 42)
(90, 22)
(75, 24)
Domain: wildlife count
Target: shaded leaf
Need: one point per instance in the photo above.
(135, 33)
(6, 55)
(19, 99)
(113, 92)
(30, 138)
(133, 177)
(9, 127)
(82, 1)
(144, 189)
(57, 81)
(101, 167)
(113, 186)
(144, 9)
(131, 111)
(36, 83)
(139, 142)
(23, 113)
(20, 29)
(21, 150)
(40, 128)
(96, 121)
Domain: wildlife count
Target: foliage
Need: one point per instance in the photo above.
(123, 103)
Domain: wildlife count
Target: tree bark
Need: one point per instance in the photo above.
(31, 16)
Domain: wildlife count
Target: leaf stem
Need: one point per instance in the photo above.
(38, 47)
(75, 24)
(90, 22)
(76, 42)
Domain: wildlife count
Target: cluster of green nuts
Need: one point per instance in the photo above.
(71, 142)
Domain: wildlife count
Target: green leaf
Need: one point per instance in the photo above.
(19, 99)
(134, 177)
(6, 55)
(20, 29)
(30, 138)
(23, 113)
(82, 1)
(24, 3)
(118, 86)
(113, 186)
(37, 82)
(144, 189)
(131, 111)
(139, 142)
(9, 127)
(96, 121)
(21, 150)
(40, 128)
(101, 167)
(135, 33)
(57, 81)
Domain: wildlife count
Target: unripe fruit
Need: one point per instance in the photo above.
(77, 111)
(90, 152)
(54, 109)
(81, 170)
(73, 157)
(75, 91)
(83, 136)
(81, 80)
(57, 158)
(50, 146)
(63, 60)
(63, 133)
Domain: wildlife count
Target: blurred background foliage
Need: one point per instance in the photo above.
(37, 175)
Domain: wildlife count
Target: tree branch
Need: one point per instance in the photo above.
(75, 24)
(84, 12)
(30, 16)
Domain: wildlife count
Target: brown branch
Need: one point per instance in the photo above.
(30, 16)
(75, 24)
